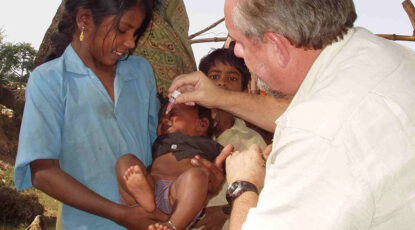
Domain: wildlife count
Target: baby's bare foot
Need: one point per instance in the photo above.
(139, 187)
(159, 226)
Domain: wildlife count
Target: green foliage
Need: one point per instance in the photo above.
(8, 177)
(1, 35)
(16, 61)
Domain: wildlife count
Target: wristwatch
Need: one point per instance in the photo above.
(237, 188)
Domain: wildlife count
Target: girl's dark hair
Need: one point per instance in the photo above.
(99, 9)
(226, 56)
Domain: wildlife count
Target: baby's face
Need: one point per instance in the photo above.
(182, 118)
(226, 76)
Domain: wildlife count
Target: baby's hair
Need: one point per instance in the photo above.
(99, 9)
(226, 56)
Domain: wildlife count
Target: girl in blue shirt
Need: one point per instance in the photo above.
(87, 108)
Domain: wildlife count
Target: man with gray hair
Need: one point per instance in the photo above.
(343, 155)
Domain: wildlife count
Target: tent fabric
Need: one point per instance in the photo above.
(165, 44)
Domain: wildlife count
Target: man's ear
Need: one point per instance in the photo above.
(203, 125)
(214, 115)
(281, 46)
(84, 19)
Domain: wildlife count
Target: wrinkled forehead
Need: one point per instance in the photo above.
(177, 109)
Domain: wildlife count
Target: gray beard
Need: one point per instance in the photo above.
(265, 87)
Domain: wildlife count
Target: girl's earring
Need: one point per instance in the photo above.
(81, 37)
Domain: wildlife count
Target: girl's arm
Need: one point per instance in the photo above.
(48, 177)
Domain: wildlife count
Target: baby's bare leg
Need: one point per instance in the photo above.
(189, 194)
(134, 186)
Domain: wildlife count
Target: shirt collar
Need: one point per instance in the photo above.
(239, 125)
(74, 64)
(315, 72)
(319, 65)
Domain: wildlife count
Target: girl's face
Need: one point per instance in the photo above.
(226, 76)
(109, 43)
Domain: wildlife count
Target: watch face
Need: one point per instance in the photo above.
(233, 191)
(233, 187)
(236, 188)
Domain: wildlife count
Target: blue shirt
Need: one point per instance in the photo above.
(69, 116)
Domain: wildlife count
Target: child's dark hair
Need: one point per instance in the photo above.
(203, 112)
(226, 56)
(99, 9)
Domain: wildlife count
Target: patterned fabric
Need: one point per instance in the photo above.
(165, 44)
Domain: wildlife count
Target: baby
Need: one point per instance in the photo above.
(172, 184)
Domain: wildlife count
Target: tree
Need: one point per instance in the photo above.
(16, 61)
(46, 44)
(1, 35)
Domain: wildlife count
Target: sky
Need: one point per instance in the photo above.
(28, 20)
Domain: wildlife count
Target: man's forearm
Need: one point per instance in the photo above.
(240, 209)
(261, 111)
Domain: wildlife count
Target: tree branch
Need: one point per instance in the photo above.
(410, 10)
(395, 37)
(203, 40)
(206, 29)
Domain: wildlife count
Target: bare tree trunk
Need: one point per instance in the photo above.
(13, 99)
(44, 48)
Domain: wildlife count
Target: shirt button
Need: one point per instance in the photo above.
(173, 146)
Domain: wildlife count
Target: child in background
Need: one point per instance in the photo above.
(172, 184)
(229, 72)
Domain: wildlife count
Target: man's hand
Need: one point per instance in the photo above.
(214, 169)
(196, 88)
(248, 165)
(213, 219)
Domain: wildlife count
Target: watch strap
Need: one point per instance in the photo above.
(237, 188)
(227, 209)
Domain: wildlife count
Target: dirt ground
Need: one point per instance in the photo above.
(18, 209)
